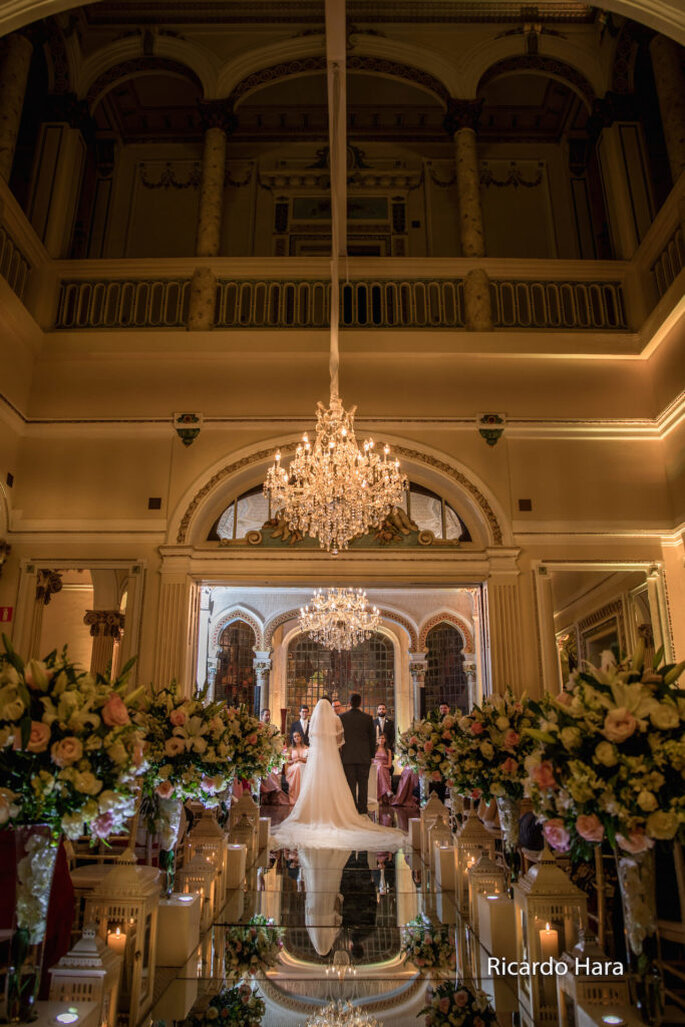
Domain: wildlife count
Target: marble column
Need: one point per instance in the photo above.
(471, 680)
(173, 642)
(262, 669)
(461, 122)
(48, 583)
(106, 627)
(212, 667)
(15, 61)
(549, 652)
(507, 643)
(218, 122)
(667, 63)
(418, 668)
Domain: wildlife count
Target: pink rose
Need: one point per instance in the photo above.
(428, 747)
(564, 699)
(590, 827)
(557, 835)
(251, 739)
(543, 776)
(637, 841)
(476, 793)
(510, 766)
(619, 724)
(174, 746)
(461, 998)
(512, 739)
(102, 825)
(436, 776)
(114, 712)
(208, 785)
(138, 752)
(66, 752)
(444, 1005)
(39, 739)
(177, 718)
(477, 728)
(413, 740)
(165, 789)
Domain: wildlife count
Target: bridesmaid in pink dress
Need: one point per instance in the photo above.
(409, 781)
(294, 767)
(383, 760)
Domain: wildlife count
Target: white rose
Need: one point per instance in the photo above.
(503, 723)
(108, 800)
(605, 753)
(665, 716)
(8, 807)
(11, 705)
(85, 781)
(662, 824)
(487, 749)
(72, 825)
(570, 737)
(647, 801)
(8, 675)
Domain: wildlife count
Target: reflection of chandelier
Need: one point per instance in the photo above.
(334, 490)
(341, 1014)
(339, 618)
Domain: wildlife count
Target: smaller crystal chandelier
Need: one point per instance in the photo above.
(339, 618)
(342, 1014)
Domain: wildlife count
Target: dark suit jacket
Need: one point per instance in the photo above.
(297, 726)
(388, 731)
(360, 737)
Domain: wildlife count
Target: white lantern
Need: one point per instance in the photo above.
(125, 907)
(242, 833)
(200, 876)
(472, 841)
(589, 982)
(549, 912)
(431, 812)
(208, 840)
(439, 834)
(485, 877)
(89, 972)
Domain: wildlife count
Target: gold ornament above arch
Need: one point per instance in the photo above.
(264, 455)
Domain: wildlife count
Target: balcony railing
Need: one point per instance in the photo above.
(388, 298)
(392, 293)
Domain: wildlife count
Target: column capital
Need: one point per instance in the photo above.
(462, 114)
(610, 108)
(217, 114)
(262, 660)
(47, 584)
(66, 107)
(105, 623)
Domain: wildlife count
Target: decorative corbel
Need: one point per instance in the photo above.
(187, 427)
(491, 427)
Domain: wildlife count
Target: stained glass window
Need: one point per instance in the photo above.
(314, 671)
(235, 673)
(445, 678)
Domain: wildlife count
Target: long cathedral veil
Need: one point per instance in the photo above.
(325, 816)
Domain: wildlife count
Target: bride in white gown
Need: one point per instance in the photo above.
(325, 815)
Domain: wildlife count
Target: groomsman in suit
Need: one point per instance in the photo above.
(302, 725)
(384, 725)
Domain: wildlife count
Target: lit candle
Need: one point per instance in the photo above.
(549, 943)
(117, 941)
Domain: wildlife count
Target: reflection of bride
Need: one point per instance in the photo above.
(325, 815)
(321, 873)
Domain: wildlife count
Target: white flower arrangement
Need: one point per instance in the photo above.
(427, 746)
(258, 748)
(69, 751)
(610, 758)
(427, 945)
(252, 948)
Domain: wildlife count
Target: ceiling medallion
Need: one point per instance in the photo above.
(339, 618)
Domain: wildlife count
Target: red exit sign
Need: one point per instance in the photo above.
(6, 614)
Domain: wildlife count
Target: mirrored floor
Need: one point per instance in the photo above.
(342, 915)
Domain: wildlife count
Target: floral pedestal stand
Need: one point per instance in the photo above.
(168, 825)
(36, 854)
(509, 815)
(637, 882)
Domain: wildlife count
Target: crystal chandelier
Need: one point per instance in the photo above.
(339, 618)
(334, 490)
(341, 1014)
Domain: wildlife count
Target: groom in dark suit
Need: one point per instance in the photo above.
(358, 751)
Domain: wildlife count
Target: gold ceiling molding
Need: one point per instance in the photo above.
(287, 448)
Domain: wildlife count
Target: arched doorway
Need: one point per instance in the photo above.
(235, 671)
(313, 671)
(446, 679)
